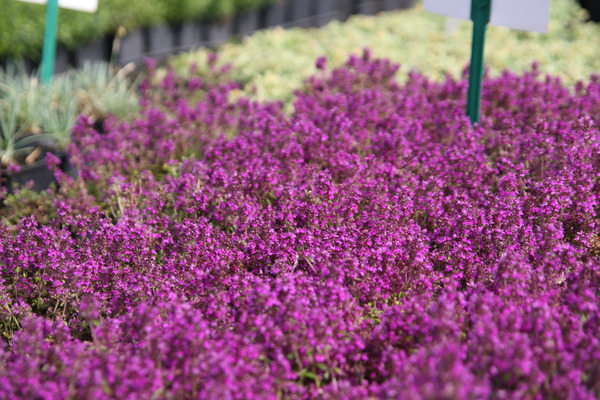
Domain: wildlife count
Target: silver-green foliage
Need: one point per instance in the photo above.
(102, 90)
(30, 111)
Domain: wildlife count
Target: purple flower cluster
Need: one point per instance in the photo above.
(372, 244)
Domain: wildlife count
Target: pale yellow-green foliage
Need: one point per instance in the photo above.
(274, 62)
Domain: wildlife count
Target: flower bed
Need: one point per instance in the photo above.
(373, 244)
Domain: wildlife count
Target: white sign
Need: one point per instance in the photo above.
(528, 15)
(80, 5)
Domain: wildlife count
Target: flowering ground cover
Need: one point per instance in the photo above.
(372, 244)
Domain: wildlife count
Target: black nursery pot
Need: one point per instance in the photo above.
(274, 15)
(326, 11)
(369, 7)
(38, 172)
(246, 23)
(160, 41)
(190, 35)
(96, 50)
(218, 32)
(593, 8)
(132, 47)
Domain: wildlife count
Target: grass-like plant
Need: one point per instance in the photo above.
(19, 101)
(102, 90)
(33, 111)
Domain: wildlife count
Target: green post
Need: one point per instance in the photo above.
(49, 50)
(480, 14)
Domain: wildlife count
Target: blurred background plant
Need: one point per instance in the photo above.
(102, 90)
(34, 113)
(21, 32)
(592, 7)
(11, 144)
(20, 103)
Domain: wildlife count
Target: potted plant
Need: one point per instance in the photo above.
(101, 90)
(36, 120)
(22, 153)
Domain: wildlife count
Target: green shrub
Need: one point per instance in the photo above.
(183, 10)
(21, 29)
(273, 63)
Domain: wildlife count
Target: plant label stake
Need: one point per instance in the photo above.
(49, 50)
(480, 14)
(530, 15)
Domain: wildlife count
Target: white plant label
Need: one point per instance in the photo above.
(527, 15)
(80, 5)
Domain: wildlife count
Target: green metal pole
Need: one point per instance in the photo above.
(480, 14)
(49, 51)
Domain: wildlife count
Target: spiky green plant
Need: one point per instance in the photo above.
(30, 109)
(102, 90)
